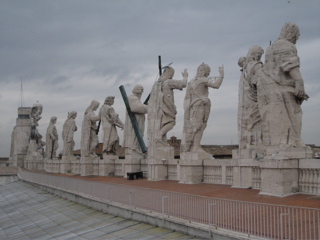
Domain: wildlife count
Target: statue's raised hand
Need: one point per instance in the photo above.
(221, 71)
(185, 73)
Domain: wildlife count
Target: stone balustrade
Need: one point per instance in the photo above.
(215, 171)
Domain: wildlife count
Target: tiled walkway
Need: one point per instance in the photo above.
(27, 212)
(213, 190)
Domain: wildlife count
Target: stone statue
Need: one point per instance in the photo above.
(161, 105)
(252, 114)
(89, 138)
(110, 120)
(281, 91)
(69, 127)
(52, 139)
(35, 115)
(197, 107)
(139, 109)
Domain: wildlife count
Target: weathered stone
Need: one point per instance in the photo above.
(69, 127)
(89, 138)
(52, 139)
(109, 121)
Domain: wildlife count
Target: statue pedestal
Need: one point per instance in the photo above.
(158, 161)
(279, 177)
(65, 164)
(55, 165)
(243, 173)
(132, 162)
(34, 159)
(191, 166)
(280, 170)
(107, 165)
(275, 171)
(87, 165)
(75, 166)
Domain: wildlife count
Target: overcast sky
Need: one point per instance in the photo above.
(68, 53)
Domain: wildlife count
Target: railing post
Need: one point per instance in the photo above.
(209, 217)
(281, 224)
(131, 191)
(163, 197)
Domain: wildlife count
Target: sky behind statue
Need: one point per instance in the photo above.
(69, 52)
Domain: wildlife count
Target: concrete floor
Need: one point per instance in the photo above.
(27, 212)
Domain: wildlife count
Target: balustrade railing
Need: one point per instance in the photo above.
(263, 220)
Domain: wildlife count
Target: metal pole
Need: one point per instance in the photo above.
(133, 119)
(160, 73)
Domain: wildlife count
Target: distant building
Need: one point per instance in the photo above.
(217, 151)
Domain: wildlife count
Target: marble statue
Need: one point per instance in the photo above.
(161, 105)
(52, 139)
(69, 127)
(252, 114)
(109, 121)
(89, 138)
(280, 91)
(35, 115)
(139, 110)
(197, 107)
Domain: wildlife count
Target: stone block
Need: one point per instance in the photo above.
(279, 177)
(86, 163)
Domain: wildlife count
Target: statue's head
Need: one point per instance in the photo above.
(290, 31)
(94, 104)
(167, 74)
(137, 89)
(203, 70)
(72, 114)
(92, 107)
(255, 53)
(38, 108)
(53, 120)
(109, 100)
(241, 62)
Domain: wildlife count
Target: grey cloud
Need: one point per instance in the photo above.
(70, 52)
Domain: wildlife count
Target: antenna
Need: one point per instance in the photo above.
(21, 94)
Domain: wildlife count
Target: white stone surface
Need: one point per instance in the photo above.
(139, 110)
(69, 127)
(280, 88)
(52, 139)
(89, 138)
(197, 107)
(249, 119)
(109, 121)
(20, 137)
(161, 119)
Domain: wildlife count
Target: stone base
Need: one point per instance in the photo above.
(279, 177)
(37, 164)
(107, 165)
(249, 153)
(132, 162)
(288, 153)
(65, 163)
(75, 166)
(158, 163)
(191, 166)
(87, 165)
(243, 172)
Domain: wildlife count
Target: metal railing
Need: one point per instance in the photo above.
(256, 219)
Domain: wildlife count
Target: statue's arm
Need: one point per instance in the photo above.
(299, 84)
(136, 106)
(218, 81)
(95, 118)
(180, 84)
